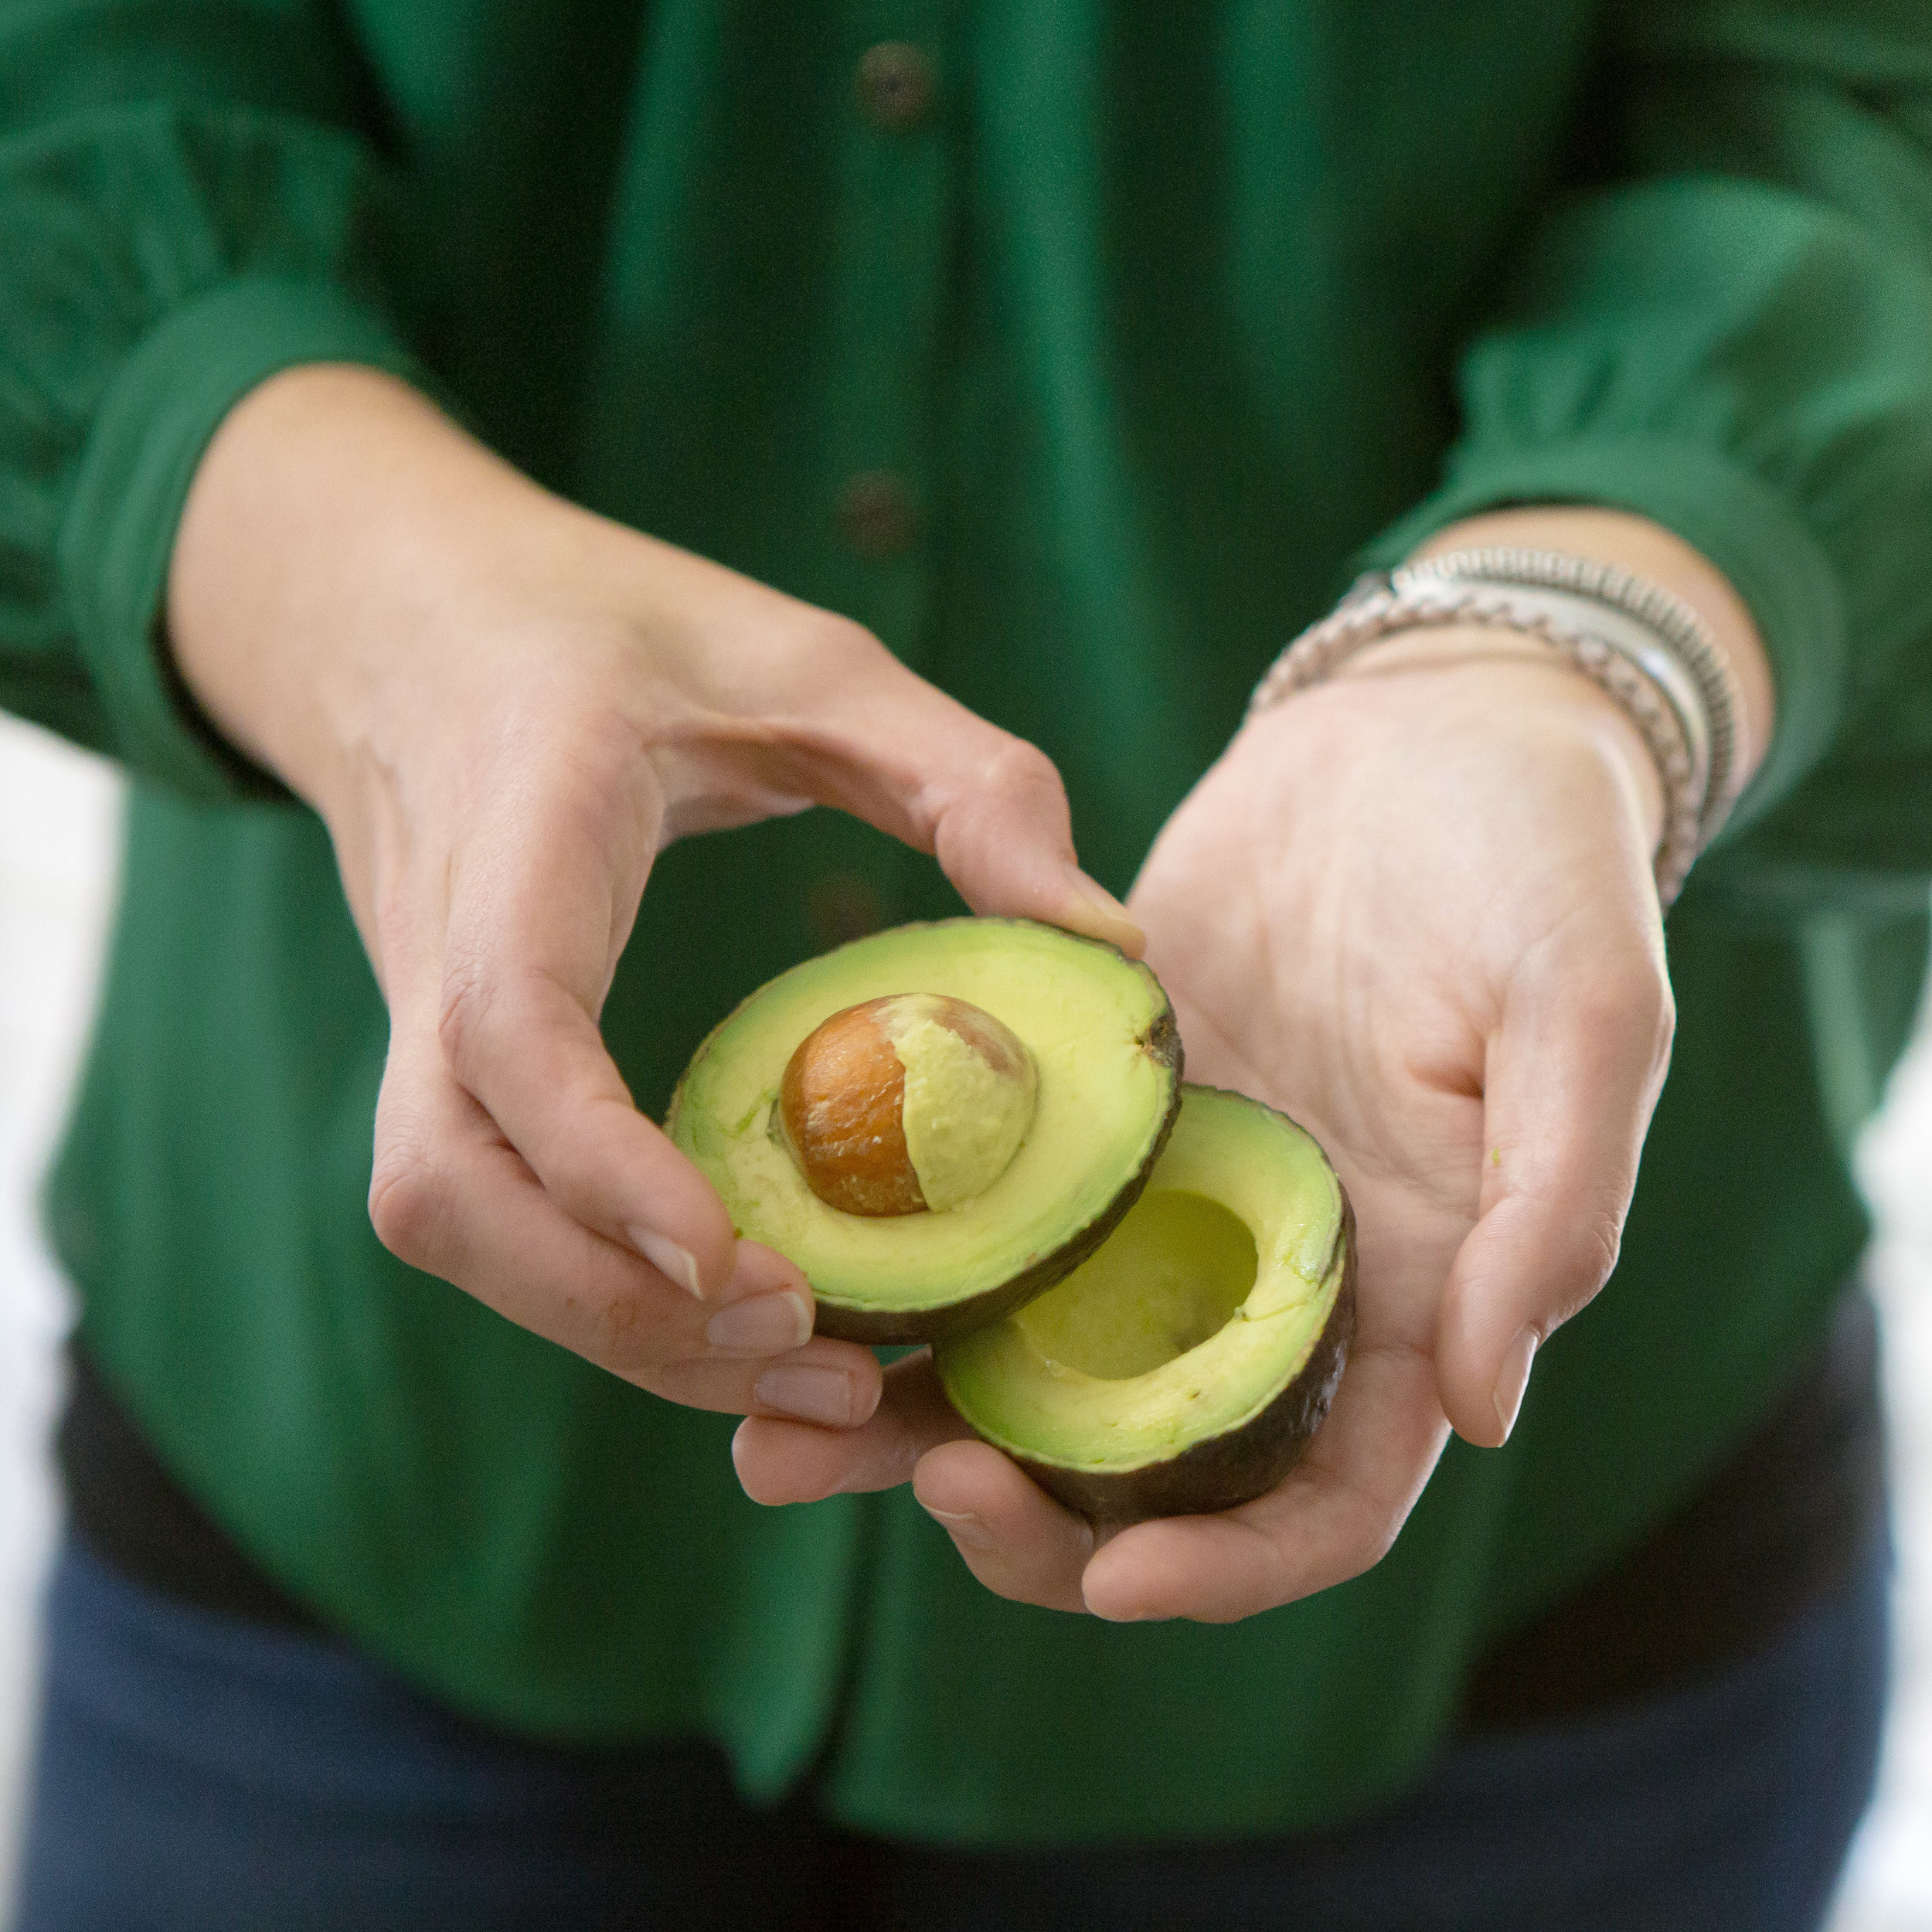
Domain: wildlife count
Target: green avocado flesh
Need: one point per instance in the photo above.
(1185, 1363)
(1102, 1037)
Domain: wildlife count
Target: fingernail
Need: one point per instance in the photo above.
(1514, 1379)
(761, 1325)
(1091, 894)
(666, 1258)
(812, 1395)
(963, 1528)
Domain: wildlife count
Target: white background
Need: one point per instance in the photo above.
(57, 857)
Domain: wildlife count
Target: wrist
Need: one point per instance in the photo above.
(1658, 556)
(1645, 647)
(1513, 681)
(1462, 691)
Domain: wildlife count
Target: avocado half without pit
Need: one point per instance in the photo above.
(936, 1123)
(1183, 1367)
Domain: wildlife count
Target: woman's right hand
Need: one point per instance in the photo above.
(503, 708)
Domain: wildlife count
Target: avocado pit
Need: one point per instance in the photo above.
(908, 1103)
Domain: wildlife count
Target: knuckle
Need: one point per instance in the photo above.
(1596, 1239)
(628, 1341)
(1627, 1008)
(579, 1151)
(409, 1206)
(1644, 995)
(1624, 996)
(1602, 1238)
(1368, 1539)
(1665, 1027)
(847, 634)
(972, 808)
(590, 759)
(1023, 772)
(464, 1014)
(830, 640)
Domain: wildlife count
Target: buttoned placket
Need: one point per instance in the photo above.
(896, 180)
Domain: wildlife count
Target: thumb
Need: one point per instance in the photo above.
(901, 754)
(1001, 833)
(1572, 1076)
(891, 748)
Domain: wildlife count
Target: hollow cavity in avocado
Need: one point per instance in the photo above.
(1184, 1365)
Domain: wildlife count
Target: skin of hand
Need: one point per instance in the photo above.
(503, 707)
(1413, 909)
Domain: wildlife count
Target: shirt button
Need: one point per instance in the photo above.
(843, 906)
(876, 516)
(895, 86)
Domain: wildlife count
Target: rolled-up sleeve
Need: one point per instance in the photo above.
(188, 204)
(1725, 325)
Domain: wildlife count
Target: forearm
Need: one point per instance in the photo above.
(189, 208)
(337, 522)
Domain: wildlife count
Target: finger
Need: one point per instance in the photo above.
(1001, 833)
(763, 1358)
(1571, 1079)
(1334, 1516)
(782, 1462)
(894, 751)
(1013, 1537)
(451, 1197)
(540, 901)
(819, 1389)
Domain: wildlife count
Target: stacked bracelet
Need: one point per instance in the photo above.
(1648, 649)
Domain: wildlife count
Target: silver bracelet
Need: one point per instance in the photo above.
(1639, 619)
(1646, 648)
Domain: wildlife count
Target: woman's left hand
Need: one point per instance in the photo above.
(1412, 908)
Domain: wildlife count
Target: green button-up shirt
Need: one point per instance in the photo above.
(1078, 350)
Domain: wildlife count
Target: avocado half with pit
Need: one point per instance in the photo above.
(1184, 1365)
(938, 1122)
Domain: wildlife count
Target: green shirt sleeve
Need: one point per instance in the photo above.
(187, 205)
(1726, 326)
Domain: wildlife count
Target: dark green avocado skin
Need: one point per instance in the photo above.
(883, 1327)
(1237, 1465)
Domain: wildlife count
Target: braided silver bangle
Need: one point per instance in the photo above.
(1646, 649)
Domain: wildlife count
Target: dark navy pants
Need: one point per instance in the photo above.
(199, 1774)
